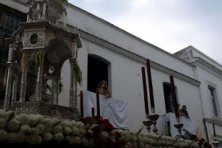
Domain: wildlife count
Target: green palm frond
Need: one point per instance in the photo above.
(77, 72)
(39, 57)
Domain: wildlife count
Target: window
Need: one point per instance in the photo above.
(212, 93)
(168, 97)
(9, 22)
(98, 69)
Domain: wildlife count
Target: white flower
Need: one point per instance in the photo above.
(11, 137)
(65, 123)
(23, 118)
(13, 125)
(67, 130)
(54, 121)
(20, 138)
(2, 123)
(41, 128)
(35, 131)
(33, 139)
(75, 131)
(82, 132)
(3, 135)
(47, 136)
(80, 124)
(76, 140)
(6, 115)
(147, 146)
(57, 129)
(85, 142)
(128, 145)
(104, 134)
(34, 119)
(58, 137)
(2, 114)
(25, 128)
(47, 123)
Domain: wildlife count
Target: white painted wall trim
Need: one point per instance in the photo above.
(208, 67)
(135, 57)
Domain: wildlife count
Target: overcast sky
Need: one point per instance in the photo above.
(169, 24)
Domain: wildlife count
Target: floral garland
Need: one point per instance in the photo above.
(88, 132)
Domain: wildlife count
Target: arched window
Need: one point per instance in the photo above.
(98, 69)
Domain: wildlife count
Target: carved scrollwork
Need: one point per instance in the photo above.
(36, 10)
(51, 10)
(33, 39)
(55, 10)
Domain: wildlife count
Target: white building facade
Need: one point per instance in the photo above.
(113, 54)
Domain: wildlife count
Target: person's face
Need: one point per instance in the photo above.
(103, 89)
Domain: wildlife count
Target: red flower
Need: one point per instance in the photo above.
(207, 145)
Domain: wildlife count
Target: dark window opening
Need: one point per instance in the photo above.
(213, 99)
(168, 97)
(97, 71)
(9, 22)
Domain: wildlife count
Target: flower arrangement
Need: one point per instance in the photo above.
(89, 132)
(102, 132)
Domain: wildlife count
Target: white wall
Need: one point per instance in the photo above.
(201, 55)
(127, 85)
(98, 27)
(15, 4)
(208, 78)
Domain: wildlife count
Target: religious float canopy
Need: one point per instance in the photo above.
(42, 42)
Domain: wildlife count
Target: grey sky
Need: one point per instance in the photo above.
(169, 24)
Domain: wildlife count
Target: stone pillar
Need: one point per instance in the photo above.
(9, 79)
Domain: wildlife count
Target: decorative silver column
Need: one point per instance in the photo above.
(23, 85)
(14, 89)
(73, 85)
(9, 79)
(38, 89)
(55, 84)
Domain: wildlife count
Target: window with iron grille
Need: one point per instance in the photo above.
(9, 22)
